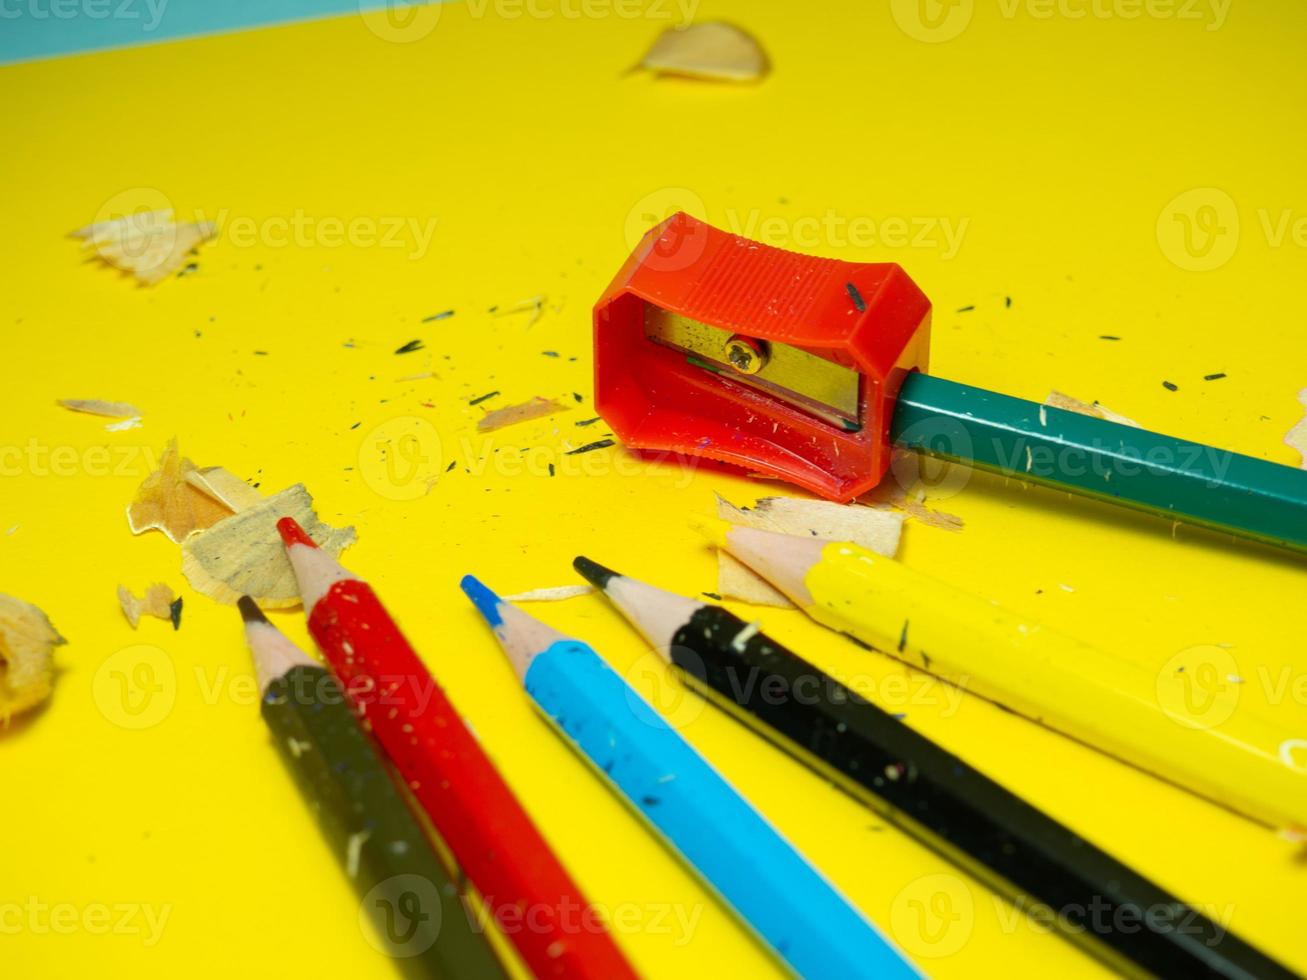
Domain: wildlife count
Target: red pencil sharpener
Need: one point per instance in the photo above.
(789, 365)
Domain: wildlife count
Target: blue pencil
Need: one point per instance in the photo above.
(786, 901)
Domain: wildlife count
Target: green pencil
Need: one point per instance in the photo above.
(412, 900)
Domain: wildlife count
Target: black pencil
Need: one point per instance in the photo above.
(412, 900)
(1115, 914)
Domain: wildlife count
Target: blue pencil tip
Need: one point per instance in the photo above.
(487, 602)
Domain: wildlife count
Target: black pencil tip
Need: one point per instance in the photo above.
(593, 572)
(250, 611)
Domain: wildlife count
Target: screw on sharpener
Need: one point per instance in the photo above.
(712, 345)
(746, 355)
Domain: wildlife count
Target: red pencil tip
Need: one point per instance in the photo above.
(292, 533)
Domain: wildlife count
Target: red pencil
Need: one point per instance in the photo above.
(535, 901)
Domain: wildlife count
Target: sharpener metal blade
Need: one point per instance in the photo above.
(810, 383)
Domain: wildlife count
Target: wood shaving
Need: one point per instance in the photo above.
(243, 555)
(150, 246)
(1094, 410)
(165, 500)
(225, 487)
(915, 507)
(716, 51)
(125, 424)
(536, 408)
(874, 528)
(156, 602)
(877, 529)
(556, 594)
(27, 642)
(535, 306)
(1297, 436)
(736, 580)
(94, 406)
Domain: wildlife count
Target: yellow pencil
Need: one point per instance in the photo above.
(1237, 759)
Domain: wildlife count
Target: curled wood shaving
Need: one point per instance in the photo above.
(556, 594)
(876, 529)
(536, 408)
(1056, 399)
(150, 245)
(243, 554)
(94, 406)
(27, 642)
(156, 602)
(716, 50)
(165, 500)
(225, 487)
(1297, 436)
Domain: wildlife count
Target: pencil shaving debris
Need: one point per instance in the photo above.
(536, 408)
(556, 594)
(736, 580)
(243, 554)
(167, 501)
(94, 406)
(1094, 410)
(876, 529)
(535, 306)
(915, 507)
(716, 51)
(1297, 436)
(224, 487)
(27, 642)
(156, 602)
(150, 245)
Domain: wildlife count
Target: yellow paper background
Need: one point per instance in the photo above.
(1064, 143)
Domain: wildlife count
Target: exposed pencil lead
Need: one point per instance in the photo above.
(596, 574)
(273, 652)
(291, 533)
(487, 602)
(655, 612)
(522, 636)
(315, 570)
(250, 611)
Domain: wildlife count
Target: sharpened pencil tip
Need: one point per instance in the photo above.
(250, 611)
(291, 533)
(487, 602)
(596, 574)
